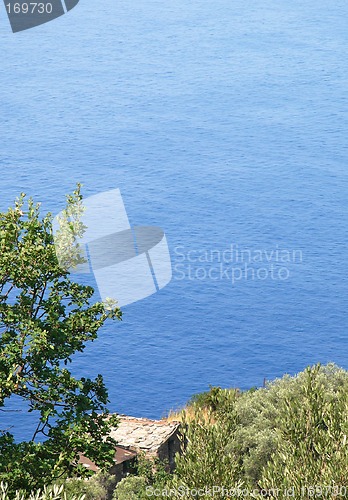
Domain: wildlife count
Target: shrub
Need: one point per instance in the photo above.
(97, 487)
(256, 436)
(206, 462)
(312, 426)
(47, 493)
(131, 488)
(260, 412)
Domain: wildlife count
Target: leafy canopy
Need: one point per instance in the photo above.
(45, 318)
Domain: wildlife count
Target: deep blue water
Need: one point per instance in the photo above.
(224, 123)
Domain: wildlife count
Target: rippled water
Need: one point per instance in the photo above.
(224, 124)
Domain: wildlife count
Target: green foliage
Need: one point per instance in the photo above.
(312, 426)
(66, 240)
(219, 401)
(150, 474)
(155, 471)
(97, 487)
(256, 438)
(44, 319)
(131, 488)
(47, 493)
(293, 432)
(206, 461)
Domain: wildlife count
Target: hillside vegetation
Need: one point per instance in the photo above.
(286, 440)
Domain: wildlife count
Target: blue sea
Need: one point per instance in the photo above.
(225, 124)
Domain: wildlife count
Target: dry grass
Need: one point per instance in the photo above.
(192, 413)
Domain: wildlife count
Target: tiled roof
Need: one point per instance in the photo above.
(142, 434)
(121, 456)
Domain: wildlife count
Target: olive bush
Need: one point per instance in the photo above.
(312, 428)
(47, 493)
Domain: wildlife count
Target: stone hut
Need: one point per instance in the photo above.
(155, 438)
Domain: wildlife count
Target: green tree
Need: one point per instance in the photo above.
(312, 456)
(98, 487)
(45, 318)
(131, 488)
(276, 433)
(262, 412)
(206, 462)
